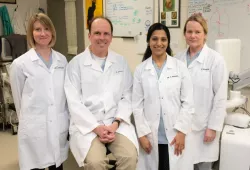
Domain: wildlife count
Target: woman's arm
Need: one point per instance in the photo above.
(142, 126)
(184, 120)
(219, 83)
(17, 81)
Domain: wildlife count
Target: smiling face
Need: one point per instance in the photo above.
(158, 43)
(42, 35)
(195, 35)
(100, 36)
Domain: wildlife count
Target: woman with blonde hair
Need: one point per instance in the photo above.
(37, 79)
(209, 76)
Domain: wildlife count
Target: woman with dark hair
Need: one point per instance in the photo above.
(157, 26)
(162, 106)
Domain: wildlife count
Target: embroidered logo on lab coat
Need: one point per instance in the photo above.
(172, 76)
(59, 67)
(205, 69)
(119, 71)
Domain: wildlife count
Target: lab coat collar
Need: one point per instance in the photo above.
(203, 53)
(111, 58)
(149, 64)
(169, 63)
(55, 55)
(199, 60)
(150, 67)
(88, 58)
(35, 57)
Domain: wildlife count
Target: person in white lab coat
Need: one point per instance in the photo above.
(37, 79)
(209, 77)
(98, 87)
(162, 103)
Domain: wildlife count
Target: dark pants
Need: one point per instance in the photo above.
(163, 157)
(53, 167)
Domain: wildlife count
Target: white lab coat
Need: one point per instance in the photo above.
(96, 97)
(173, 91)
(40, 103)
(209, 77)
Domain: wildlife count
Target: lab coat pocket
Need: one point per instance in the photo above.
(199, 122)
(173, 119)
(63, 128)
(63, 139)
(117, 80)
(29, 86)
(63, 122)
(90, 87)
(202, 80)
(202, 90)
(59, 76)
(173, 86)
(32, 127)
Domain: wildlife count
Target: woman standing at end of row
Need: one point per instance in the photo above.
(209, 76)
(37, 79)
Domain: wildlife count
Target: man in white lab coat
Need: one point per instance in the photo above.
(98, 87)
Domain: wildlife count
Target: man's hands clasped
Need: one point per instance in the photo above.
(106, 134)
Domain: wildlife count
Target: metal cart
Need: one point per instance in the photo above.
(8, 114)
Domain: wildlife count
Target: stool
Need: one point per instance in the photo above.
(112, 161)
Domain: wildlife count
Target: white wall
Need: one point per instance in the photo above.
(128, 48)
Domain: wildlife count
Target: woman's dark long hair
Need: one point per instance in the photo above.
(152, 28)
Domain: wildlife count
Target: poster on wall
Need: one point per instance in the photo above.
(170, 13)
(8, 1)
(93, 8)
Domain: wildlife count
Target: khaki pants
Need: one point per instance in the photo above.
(122, 148)
(203, 166)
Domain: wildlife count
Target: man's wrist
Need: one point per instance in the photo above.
(96, 129)
(209, 128)
(180, 132)
(117, 121)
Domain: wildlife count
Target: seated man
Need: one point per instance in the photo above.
(98, 86)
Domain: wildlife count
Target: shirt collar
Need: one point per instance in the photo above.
(89, 60)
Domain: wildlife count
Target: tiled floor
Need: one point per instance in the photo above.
(9, 156)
